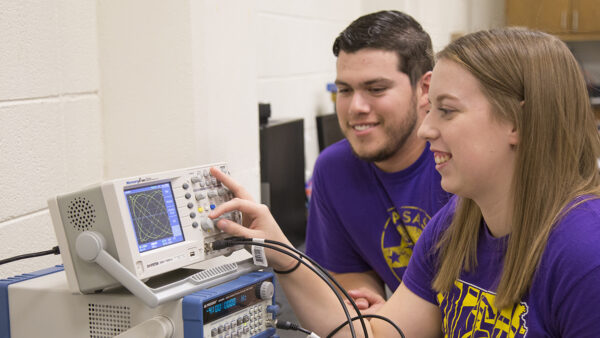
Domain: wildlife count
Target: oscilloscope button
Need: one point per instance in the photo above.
(192, 214)
(200, 196)
(190, 205)
(185, 186)
(188, 195)
(212, 193)
(195, 225)
(195, 179)
(205, 172)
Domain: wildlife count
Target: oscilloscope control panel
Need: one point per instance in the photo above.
(151, 224)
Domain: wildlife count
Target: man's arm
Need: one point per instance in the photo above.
(366, 288)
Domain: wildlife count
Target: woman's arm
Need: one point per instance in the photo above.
(313, 302)
(414, 315)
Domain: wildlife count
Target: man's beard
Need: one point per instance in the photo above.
(396, 140)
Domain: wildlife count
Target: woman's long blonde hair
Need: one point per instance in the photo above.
(533, 81)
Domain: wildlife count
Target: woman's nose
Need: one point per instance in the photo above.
(427, 131)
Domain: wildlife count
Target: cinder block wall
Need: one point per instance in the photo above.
(50, 119)
(296, 62)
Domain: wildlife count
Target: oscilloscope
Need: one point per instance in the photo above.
(124, 231)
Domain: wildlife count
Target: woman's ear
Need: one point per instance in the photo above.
(513, 136)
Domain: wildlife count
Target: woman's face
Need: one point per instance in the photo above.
(474, 152)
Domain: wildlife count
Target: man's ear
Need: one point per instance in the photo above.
(423, 91)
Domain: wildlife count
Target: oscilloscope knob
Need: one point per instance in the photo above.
(265, 290)
(207, 224)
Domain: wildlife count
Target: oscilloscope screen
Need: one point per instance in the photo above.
(154, 216)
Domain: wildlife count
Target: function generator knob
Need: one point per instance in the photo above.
(265, 290)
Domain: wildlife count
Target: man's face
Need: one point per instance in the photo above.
(376, 104)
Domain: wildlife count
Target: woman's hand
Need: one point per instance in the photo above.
(257, 219)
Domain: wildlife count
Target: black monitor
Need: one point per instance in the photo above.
(328, 130)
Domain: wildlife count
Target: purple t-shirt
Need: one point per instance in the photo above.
(357, 212)
(562, 300)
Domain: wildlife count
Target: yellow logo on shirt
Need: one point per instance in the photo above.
(409, 222)
(469, 311)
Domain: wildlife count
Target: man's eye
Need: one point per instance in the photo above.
(377, 89)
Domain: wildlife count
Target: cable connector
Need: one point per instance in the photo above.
(221, 244)
(287, 325)
(237, 239)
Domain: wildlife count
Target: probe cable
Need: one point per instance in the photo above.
(286, 325)
(55, 250)
(360, 316)
(367, 316)
(219, 244)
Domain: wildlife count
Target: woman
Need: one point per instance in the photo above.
(515, 253)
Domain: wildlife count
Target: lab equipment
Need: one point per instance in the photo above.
(41, 304)
(125, 231)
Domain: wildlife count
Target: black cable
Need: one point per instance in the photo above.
(312, 261)
(219, 244)
(359, 316)
(367, 316)
(55, 250)
(286, 325)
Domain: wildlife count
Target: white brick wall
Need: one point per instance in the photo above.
(296, 61)
(50, 121)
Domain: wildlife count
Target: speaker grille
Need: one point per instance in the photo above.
(107, 321)
(81, 213)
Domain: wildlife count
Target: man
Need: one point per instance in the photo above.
(374, 192)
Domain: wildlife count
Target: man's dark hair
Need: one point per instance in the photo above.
(392, 31)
